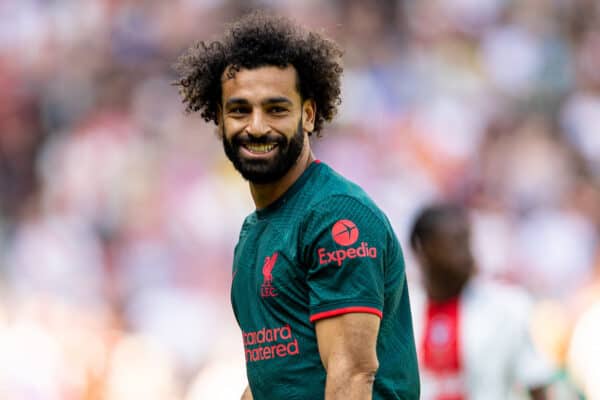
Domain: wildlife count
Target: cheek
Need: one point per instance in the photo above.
(287, 125)
(288, 128)
(230, 127)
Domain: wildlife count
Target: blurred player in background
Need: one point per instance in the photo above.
(473, 336)
(319, 287)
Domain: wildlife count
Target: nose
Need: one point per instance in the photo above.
(258, 125)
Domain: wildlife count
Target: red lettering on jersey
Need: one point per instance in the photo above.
(269, 343)
(338, 256)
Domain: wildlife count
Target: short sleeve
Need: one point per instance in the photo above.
(345, 246)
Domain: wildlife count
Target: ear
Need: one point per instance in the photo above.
(309, 112)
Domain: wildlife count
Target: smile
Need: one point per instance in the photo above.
(260, 148)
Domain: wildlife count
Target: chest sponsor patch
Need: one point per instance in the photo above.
(269, 343)
(345, 233)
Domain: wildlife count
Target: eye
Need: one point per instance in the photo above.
(238, 110)
(277, 110)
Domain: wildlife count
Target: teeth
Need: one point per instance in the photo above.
(260, 148)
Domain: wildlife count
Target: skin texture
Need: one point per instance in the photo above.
(265, 102)
(247, 395)
(347, 345)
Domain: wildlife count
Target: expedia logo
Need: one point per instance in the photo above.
(345, 233)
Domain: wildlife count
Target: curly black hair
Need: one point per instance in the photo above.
(256, 40)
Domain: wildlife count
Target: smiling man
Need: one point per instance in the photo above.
(319, 286)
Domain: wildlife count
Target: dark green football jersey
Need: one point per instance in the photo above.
(322, 249)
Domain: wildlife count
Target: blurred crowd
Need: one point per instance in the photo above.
(119, 212)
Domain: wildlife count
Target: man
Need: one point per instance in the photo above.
(319, 287)
(473, 336)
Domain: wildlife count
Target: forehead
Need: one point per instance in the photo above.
(261, 83)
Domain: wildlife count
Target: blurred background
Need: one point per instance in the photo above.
(119, 212)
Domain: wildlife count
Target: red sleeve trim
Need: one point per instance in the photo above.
(345, 310)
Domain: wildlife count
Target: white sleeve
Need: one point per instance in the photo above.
(532, 368)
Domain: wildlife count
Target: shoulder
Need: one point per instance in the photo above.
(331, 191)
(497, 291)
(341, 214)
(248, 222)
(247, 226)
(510, 300)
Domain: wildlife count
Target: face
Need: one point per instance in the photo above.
(264, 123)
(446, 253)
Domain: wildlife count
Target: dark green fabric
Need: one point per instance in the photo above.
(322, 249)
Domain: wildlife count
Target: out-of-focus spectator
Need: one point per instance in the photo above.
(473, 335)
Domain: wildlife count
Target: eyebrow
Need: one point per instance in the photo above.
(270, 100)
(277, 100)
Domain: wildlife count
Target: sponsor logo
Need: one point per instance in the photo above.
(267, 289)
(344, 232)
(269, 343)
(338, 256)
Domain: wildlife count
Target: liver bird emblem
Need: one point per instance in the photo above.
(268, 267)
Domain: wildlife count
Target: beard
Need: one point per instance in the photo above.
(262, 171)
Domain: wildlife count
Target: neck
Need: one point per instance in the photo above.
(265, 194)
(442, 290)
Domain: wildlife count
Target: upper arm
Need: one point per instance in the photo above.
(346, 249)
(349, 341)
